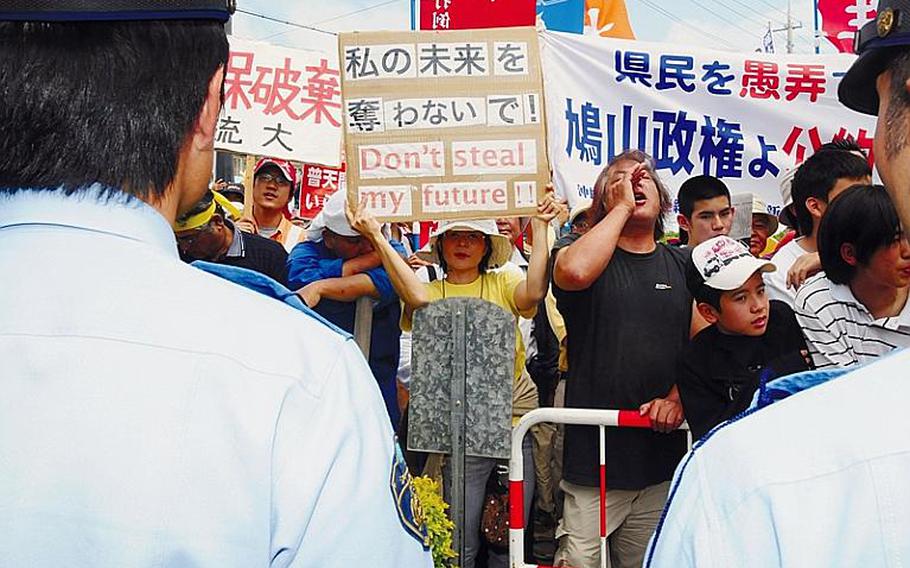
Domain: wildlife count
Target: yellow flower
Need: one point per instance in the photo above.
(439, 527)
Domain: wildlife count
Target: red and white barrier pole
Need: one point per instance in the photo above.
(579, 416)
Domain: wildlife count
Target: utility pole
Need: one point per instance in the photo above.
(817, 33)
(789, 29)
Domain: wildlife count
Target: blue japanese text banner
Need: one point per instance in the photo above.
(744, 117)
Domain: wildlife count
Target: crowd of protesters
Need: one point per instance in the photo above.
(614, 317)
(156, 415)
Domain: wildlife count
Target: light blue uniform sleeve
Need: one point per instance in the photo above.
(333, 498)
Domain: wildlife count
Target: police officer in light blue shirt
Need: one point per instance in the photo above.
(152, 414)
(819, 477)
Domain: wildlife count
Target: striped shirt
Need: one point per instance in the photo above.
(840, 331)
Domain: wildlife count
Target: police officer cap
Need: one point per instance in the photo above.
(115, 10)
(876, 44)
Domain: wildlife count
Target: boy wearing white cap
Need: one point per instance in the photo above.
(751, 338)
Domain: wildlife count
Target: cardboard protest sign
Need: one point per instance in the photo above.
(444, 125)
(282, 102)
(317, 183)
(745, 118)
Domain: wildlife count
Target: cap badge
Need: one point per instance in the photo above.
(885, 22)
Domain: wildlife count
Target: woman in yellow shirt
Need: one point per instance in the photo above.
(468, 252)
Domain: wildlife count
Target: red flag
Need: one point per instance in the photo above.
(842, 18)
(473, 14)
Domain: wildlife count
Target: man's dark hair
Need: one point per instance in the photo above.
(863, 216)
(817, 176)
(699, 188)
(842, 144)
(105, 102)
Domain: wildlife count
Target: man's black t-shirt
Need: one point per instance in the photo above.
(625, 334)
(720, 373)
(262, 255)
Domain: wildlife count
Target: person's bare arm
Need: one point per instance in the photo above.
(805, 266)
(411, 290)
(533, 288)
(360, 264)
(344, 289)
(578, 265)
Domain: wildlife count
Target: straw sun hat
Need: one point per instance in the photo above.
(502, 248)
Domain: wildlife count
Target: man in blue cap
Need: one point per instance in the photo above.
(131, 432)
(819, 477)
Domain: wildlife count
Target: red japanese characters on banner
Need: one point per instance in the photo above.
(316, 185)
(842, 18)
(473, 14)
(282, 102)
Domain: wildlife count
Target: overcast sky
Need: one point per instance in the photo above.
(725, 24)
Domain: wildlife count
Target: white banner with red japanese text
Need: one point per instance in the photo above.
(444, 125)
(743, 117)
(282, 102)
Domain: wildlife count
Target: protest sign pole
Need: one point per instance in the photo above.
(249, 164)
(363, 324)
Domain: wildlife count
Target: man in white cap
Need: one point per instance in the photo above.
(818, 478)
(141, 422)
(334, 267)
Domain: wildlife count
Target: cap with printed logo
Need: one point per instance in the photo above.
(723, 264)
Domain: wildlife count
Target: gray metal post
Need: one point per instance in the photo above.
(458, 429)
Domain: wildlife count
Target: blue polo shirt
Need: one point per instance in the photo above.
(311, 261)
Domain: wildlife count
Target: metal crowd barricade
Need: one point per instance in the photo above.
(579, 416)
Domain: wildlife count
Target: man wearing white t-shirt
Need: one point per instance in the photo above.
(818, 180)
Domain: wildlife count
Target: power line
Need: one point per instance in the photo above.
(285, 22)
(357, 11)
(719, 17)
(339, 17)
(677, 19)
(773, 7)
(762, 16)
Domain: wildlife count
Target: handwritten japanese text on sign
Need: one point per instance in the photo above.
(281, 102)
(467, 143)
(317, 184)
(745, 118)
